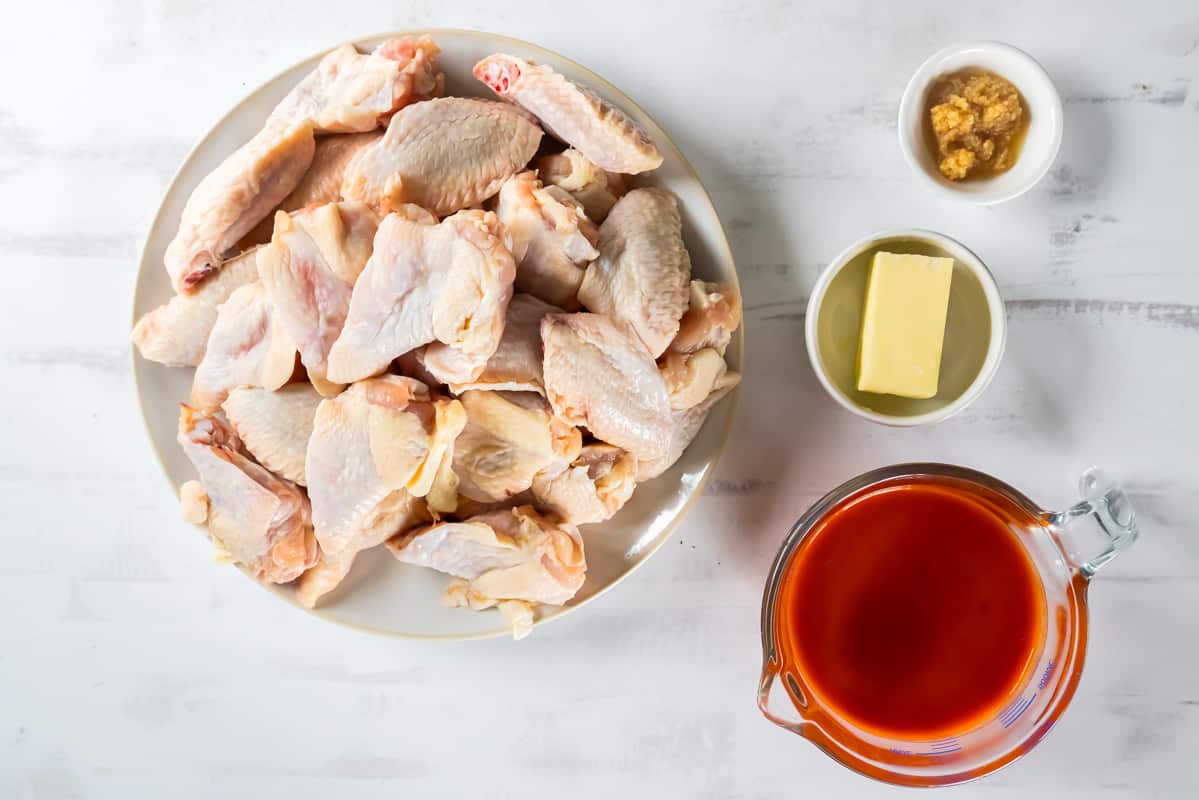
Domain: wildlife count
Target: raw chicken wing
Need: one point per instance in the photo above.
(572, 113)
(373, 447)
(516, 554)
(516, 364)
(405, 513)
(347, 92)
(176, 332)
(262, 521)
(691, 377)
(352, 92)
(444, 155)
(643, 269)
(570, 170)
(425, 282)
(509, 437)
(309, 270)
(552, 240)
(593, 488)
(247, 347)
(275, 425)
(231, 200)
(322, 182)
(598, 374)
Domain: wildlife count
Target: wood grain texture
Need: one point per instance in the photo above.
(133, 666)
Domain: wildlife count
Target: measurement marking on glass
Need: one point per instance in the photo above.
(1015, 710)
(943, 747)
(1045, 675)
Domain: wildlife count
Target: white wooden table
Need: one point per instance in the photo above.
(130, 667)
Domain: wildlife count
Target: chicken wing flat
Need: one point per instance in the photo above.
(352, 92)
(231, 200)
(321, 182)
(443, 155)
(593, 488)
(373, 447)
(599, 375)
(448, 283)
(248, 346)
(309, 269)
(572, 113)
(643, 269)
(513, 554)
(509, 437)
(261, 520)
(275, 426)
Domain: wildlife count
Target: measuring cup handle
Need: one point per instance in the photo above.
(1098, 528)
(774, 702)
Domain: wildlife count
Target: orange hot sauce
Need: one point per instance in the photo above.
(912, 610)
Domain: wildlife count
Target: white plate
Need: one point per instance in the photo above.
(381, 595)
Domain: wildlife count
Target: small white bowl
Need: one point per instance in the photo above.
(1041, 99)
(975, 330)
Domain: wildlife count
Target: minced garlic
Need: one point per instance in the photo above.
(977, 121)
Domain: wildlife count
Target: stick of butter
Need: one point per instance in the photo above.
(903, 324)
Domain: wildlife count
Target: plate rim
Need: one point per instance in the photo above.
(721, 241)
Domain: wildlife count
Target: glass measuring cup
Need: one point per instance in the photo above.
(1066, 548)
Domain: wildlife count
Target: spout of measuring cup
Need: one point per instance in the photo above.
(1099, 527)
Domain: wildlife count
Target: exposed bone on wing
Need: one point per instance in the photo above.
(275, 425)
(263, 521)
(515, 554)
(309, 269)
(572, 113)
(373, 447)
(176, 332)
(509, 437)
(599, 375)
(593, 488)
(552, 239)
(444, 155)
(247, 347)
(589, 185)
(713, 313)
(691, 377)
